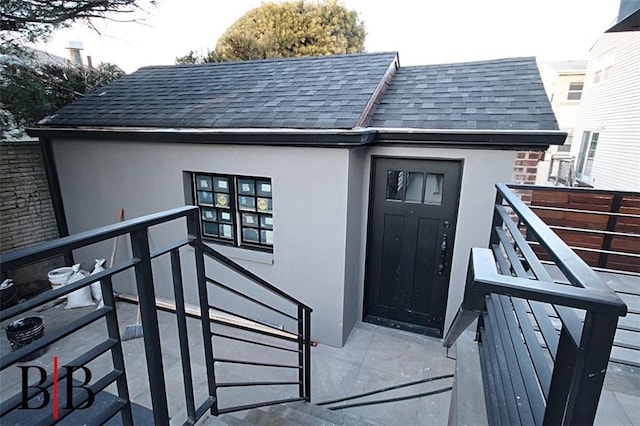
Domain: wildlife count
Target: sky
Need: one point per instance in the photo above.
(422, 31)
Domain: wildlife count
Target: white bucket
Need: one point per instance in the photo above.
(59, 277)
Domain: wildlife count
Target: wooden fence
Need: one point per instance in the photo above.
(602, 227)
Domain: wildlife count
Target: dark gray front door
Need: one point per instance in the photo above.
(414, 205)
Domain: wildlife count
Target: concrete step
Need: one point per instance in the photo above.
(292, 414)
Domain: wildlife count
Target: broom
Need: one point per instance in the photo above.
(132, 331)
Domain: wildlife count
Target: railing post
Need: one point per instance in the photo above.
(307, 355)
(302, 348)
(193, 228)
(497, 220)
(560, 386)
(117, 356)
(611, 227)
(151, 334)
(183, 335)
(593, 357)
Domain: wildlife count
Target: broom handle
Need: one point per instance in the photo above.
(138, 314)
(115, 241)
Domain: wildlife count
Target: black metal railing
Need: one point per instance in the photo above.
(141, 264)
(292, 337)
(544, 344)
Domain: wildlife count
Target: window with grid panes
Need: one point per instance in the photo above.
(236, 210)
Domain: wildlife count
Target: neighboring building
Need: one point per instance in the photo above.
(606, 145)
(564, 83)
(27, 216)
(349, 182)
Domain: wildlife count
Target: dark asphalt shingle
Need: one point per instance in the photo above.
(274, 93)
(502, 94)
(320, 93)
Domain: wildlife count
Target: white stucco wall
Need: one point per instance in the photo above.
(320, 198)
(309, 197)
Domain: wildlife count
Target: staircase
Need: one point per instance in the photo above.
(291, 414)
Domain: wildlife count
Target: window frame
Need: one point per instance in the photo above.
(587, 154)
(243, 202)
(573, 93)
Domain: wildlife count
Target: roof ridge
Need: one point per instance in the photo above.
(275, 60)
(473, 63)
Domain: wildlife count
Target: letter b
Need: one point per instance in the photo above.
(25, 387)
(87, 378)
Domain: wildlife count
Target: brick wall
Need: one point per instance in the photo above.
(26, 211)
(525, 170)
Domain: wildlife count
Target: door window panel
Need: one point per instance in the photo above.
(414, 187)
(395, 185)
(433, 189)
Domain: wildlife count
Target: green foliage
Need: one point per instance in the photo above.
(295, 28)
(30, 92)
(34, 20)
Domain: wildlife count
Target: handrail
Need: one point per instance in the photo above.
(210, 252)
(575, 269)
(508, 291)
(61, 245)
(484, 279)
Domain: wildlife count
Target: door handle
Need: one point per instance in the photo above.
(443, 255)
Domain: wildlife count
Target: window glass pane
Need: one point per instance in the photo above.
(205, 198)
(433, 189)
(247, 203)
(225, 217)
(204, 182)
(209, 214)
(576, 86)
(250, 235)
(266, 237)
(249, 219)
(222, 200)
(221, 184)
(574, 96)
(264, 205)
(210, 228)
(246, 186)
(266, 221)
(264, 187)
(414, 187)
(226, 231)
(395, 185)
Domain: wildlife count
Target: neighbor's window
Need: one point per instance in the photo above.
(587, 153)
(575, 91)
(236, 210)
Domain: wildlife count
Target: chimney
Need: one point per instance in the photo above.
(74, 52)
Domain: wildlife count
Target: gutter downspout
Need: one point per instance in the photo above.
(51, 171)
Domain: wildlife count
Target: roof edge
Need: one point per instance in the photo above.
(497, 139)
(500, 139)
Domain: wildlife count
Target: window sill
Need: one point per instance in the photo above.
(243, 254)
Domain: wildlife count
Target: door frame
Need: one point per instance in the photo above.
(372, 166)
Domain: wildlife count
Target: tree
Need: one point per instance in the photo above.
(34, 20)
(32, 91)
(295, 28)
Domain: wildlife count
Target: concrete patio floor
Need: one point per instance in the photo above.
(373, 357)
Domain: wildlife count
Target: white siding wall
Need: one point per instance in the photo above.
(612, 107)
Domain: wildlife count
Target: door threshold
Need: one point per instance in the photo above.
(404, 326)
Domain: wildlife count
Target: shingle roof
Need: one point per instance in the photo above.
(326, 92)
(310, 92)
(505, 94)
